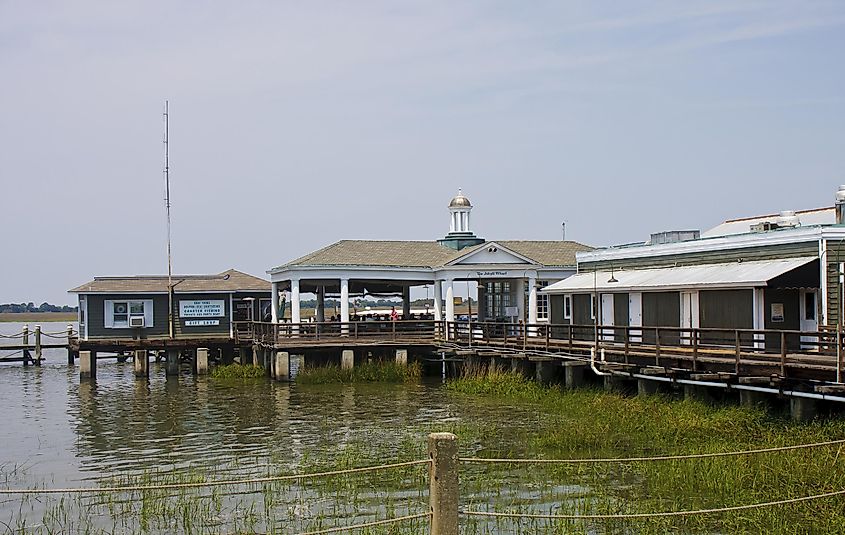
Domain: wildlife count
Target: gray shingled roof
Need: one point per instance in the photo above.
(228, 281)
(428, 254)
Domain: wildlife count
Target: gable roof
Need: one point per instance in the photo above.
(427, 254)
(228, 281)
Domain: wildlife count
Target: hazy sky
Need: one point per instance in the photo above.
(296, 124)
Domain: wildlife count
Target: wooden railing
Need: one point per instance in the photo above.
(778, 348)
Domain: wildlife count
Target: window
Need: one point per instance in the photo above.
(542, 302)
(567, 307)
(118, 313)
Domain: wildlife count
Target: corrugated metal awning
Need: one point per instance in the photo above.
(703, 276)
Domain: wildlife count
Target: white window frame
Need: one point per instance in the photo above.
(567, 307)
(108, 317)
(542, 302)
(593, 307)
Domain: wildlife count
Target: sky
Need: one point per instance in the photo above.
(297, 124)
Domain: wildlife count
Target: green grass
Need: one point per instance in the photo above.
(238, 371)
(370, 372)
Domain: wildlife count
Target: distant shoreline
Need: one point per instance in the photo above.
(28, 317)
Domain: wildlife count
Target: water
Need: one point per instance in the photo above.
(58, 432)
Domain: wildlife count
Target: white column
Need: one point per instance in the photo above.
(450, 300)
(406, 302)
(532, 305)
(438, 300)
(467, 229)
(344, 305)
(275, 303)
(321, 304)
(294, 304)
(465, 223)
(520, 299)
(758, 308)
(452, 222)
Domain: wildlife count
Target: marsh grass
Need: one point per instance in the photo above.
(368, 372)
(591, 423)
(237, 371)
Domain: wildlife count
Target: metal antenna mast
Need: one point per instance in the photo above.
(167, 207)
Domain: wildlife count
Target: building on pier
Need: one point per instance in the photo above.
(775, 272)
(136, 307)
(508, 273)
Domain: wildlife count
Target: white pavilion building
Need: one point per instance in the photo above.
(508, 272)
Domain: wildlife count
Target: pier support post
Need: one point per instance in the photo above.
(87, 365)
(402, 357)
(443, 483)
(803, 409)
(38, 345)
(750, 398)
(141, 363)
(647, 387)
(614, 383)
(573, 374)
(347, 359)
(282, 367)
(698, 393)
(202, 361)
(545, 371)
(256, 358)
(172, 362)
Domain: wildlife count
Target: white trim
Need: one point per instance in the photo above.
(567, 306)
(483, 248)
(232, 315)
(823, 261)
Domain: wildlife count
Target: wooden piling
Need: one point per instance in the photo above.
(87, 365)
(172, 362)
(25, 340)
(282, 366)
(443, 483)
(69, 348)
(202, 361)
(141, 363)
(38, 353)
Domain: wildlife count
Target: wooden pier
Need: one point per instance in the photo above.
(33, 343)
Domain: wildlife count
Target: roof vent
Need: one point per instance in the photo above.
(787, 218)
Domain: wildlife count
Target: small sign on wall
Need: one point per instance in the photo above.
(201, 323)
(211, 308)
(777, 312)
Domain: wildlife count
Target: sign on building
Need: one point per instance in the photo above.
(201, 323)
(207, 308)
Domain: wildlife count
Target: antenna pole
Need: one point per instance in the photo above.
(167, 208)
(563, 230)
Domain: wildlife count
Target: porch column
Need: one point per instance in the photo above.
(532, 305)
(344, 305)
(321, 304)
(294, 304)
(450, 300)
(275, 304)
(758, 307)
(406, 302)
(438, 300)
(520, 299)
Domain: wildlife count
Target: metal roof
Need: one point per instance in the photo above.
(732, 275)
(228, 281)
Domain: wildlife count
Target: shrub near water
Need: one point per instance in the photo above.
(237, 371)
(592, 423)
(370, 372)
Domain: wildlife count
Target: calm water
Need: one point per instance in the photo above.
(57, 432)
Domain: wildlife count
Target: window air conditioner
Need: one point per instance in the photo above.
(136, 321)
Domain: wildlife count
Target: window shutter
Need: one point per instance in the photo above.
(148, 313)
(108, 315)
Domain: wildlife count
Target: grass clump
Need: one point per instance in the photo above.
(369, 372)
(237, 371)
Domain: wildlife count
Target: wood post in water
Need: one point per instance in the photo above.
(69, 348)
(141, 362)
(38, 345)
(347, 359)
(256, 361)
(202, 361)
(282, 367)
(402, 357)
(25, 340)
(87, 365)
(172, 362)
(443, 483)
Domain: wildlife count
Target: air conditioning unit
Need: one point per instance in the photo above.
(136, 321)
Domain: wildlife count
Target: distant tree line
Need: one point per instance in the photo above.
(17, 308)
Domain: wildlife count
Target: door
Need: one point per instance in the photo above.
(607, 317)
(808, 305)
